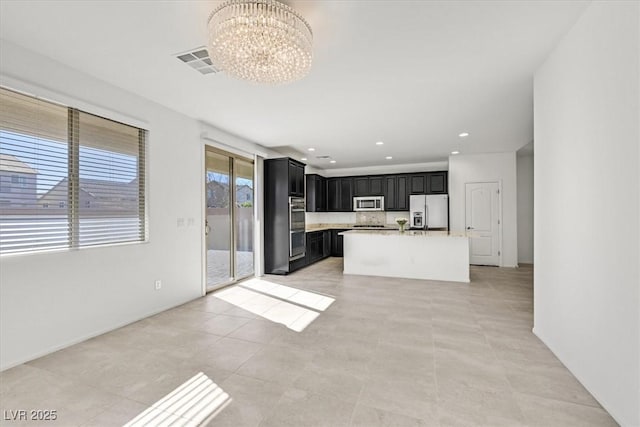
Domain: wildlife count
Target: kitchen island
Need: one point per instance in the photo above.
(429, 255)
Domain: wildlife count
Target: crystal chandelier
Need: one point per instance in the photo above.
(263, 41)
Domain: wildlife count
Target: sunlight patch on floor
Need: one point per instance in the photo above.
(197, 400)
(292, 307)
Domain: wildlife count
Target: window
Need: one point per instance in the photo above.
(20, 181)
(81, 177)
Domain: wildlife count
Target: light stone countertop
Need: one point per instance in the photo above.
(408, 233)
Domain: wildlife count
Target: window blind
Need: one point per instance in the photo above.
(67, 178)
(111, 191)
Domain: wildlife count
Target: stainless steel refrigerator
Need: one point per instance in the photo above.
(429, 211)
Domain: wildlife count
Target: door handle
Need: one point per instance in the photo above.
(469, 228)
(207, 228)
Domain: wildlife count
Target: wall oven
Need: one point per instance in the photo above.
(371, 203)
(297, 239)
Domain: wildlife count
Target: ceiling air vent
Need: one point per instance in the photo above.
(323, 157)
(198, 59)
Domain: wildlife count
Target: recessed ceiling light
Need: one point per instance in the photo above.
(455, 152)
(379, 143)
(388, 157)
(303, 159)
(312, 149)
(332, 161)
(464, 134)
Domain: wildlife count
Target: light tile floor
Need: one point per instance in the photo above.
(387, 352)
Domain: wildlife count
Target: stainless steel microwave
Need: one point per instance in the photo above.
(371, 203)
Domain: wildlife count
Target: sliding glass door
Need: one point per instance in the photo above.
(229, 192)
(243, 218)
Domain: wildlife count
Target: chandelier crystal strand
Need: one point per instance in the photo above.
(263, 41)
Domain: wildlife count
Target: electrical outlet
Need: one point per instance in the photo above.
(158, 285)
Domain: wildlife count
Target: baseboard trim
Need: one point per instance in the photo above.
(86, 337)
(599, 399)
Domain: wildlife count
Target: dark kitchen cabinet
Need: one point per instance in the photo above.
(368, 186)
(346, 194)
(340, 194)
(296, 178)
(283, 177)
(418, 183)
(395, 188)
(316, 193)
(315, 246)
(437, 183)
(326, 243)
(337, 243)
(403, 193)
(318, 247)
(376, 186)
(333, 194)
(361, 186)
(428, 183)
(297, 264)
(396, 196)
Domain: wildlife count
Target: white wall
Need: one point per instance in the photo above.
(498, 167)
(587, 192)
(330, 218)
(51, 300)
(525, 207)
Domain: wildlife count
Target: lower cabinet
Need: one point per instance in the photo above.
(326, 243)
(320, 245)
(315, 246)
(318, 248)
(337, 244)
(297, 264)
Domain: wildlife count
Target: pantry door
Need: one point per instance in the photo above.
(483, 222)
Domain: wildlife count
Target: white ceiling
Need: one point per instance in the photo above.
(413, 74)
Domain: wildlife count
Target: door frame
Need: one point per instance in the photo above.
(232, 196)
(501, 222)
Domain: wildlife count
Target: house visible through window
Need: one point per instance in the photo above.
(76, 179)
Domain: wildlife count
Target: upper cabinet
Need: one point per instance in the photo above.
(316, 193)
(296, 178)
(368, 186)
(336, 194)
(428, 183)
(418, 183)
(396, 195)
(340, 194)
(437, 183)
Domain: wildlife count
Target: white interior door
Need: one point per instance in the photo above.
(482, 221)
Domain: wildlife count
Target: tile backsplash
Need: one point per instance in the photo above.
(371, 218)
